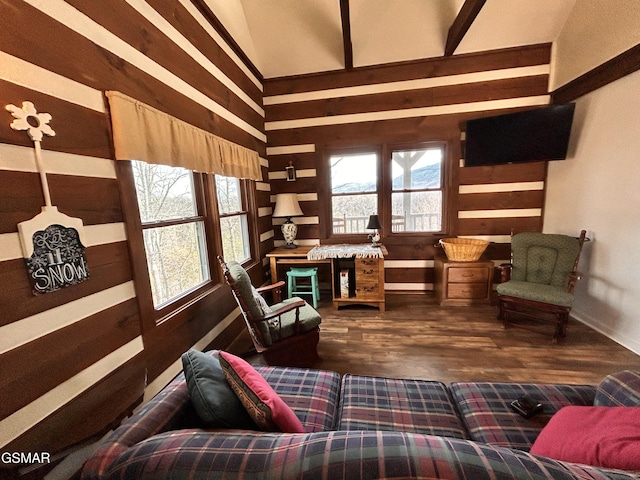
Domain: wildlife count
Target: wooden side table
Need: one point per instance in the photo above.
(463, 283)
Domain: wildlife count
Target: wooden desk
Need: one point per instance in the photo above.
(366, 274)
(290, 256)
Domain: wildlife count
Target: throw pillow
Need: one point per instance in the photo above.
(601, 436)
(264, 405)
(214, 401)
(262, 303)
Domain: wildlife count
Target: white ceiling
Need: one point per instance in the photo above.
(292, 37)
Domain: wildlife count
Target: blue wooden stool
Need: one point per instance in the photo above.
(312, 289)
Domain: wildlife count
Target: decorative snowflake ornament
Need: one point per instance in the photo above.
(27, 118)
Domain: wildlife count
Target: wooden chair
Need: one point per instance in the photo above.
(539, 281)
(285, 334)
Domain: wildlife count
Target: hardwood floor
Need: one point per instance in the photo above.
(416, 338)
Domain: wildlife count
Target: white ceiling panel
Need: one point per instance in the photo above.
(292, 37)
(385, 31)
(513, 23)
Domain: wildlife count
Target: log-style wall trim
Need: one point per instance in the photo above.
(108, 267)
(412, 70)
(610, 71)
(158, 47)
(424, 97)
(217, 24)
(417, 102)
(111, 72)
(93, 339)
(85, 343)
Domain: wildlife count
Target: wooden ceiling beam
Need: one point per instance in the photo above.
(461, 24)
(346, 34)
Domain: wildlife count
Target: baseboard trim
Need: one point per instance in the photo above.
(605, 330)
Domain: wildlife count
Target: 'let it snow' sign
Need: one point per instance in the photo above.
(58, 259)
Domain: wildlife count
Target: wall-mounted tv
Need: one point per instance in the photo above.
(527, 136)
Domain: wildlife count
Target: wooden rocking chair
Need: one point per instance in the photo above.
(285, 334)
(539, 281)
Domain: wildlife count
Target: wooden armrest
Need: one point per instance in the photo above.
(283, 309)
(505, 272)
(273, 286)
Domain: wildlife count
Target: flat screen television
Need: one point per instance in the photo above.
(527, 136)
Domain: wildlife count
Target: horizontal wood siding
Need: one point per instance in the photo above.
(412, 102)
(74, 361)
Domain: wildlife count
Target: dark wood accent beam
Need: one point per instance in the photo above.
(624, 64)
(346, 34)
(224, 33)
(461, 24)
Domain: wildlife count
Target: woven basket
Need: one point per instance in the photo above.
(463, 249)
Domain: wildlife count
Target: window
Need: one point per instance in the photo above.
(354, 186)
(417, 189)
(173, 230)
(234, 219)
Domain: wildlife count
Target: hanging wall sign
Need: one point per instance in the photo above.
(57, 260)
(51, 241)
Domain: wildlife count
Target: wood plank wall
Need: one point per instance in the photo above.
(406, 103)
(73, 361)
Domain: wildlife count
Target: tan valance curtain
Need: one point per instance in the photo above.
(141, 132)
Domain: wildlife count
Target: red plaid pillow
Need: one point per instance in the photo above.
(264, 405)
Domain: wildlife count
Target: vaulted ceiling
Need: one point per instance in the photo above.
(293, 37)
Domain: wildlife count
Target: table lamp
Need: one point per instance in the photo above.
(287, 206)
(374, 224)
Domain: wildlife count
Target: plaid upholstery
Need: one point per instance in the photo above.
(418, 406)
(169, 409)
(163, 441)
(488, 416)
(335, 455)
(620, 389)
(311, 394)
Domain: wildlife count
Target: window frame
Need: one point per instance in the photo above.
(445, 182)
(207, 209)
(324, 190)
(384, 191)
(246, 201)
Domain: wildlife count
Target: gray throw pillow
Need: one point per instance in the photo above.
(213, 399)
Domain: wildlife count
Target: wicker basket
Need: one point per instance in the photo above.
(463, 249)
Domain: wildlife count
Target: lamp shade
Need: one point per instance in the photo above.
(374, 222)
(287, 205)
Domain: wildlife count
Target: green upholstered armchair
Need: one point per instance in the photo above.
(285, 334)
(539, 281)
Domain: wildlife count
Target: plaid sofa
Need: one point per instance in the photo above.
(358, 427)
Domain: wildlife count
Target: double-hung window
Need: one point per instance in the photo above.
(173, 230)
(417, 189)
(407, 190)
(354, 191)
(234, 219)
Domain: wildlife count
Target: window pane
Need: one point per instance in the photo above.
(417, 169)
(235, 238)
(351, 212)
(163, 192)
(416, 211)
(229, 195)
(353, 173)
(177, 260)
